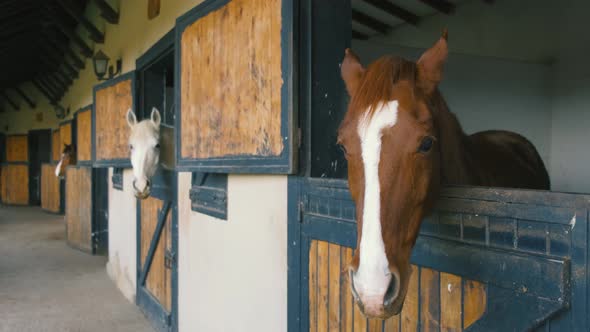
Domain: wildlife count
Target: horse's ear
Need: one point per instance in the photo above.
(131, 119)
(156, 119)
(430, 64)
(352, 71)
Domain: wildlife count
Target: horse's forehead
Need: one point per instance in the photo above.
(144, 132)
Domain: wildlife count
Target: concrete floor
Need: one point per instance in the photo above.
(47, 286)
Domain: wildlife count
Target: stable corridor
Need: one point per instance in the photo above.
(47, 286)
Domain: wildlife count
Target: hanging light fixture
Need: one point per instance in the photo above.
(101, 63)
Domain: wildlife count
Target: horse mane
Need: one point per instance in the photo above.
(380, 78)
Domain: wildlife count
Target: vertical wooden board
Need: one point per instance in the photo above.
(56, 147)
(409, 315)
(359, 320)
(17, 148)
(391, 324)
(50, 189)
(313, 286)
(240, 114)
(323, 280)
(84, 135)
(429, 300)
(450, 302)
(65, 133)
(4, 184)
(346, 300)
(375, 325)
(334, 287)
(18, 184)
(158, 281)
(112, 132)
(474, 302)
(79, 207)
(153, 8)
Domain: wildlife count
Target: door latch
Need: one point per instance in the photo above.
(169, 259)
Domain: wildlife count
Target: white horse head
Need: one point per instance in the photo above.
(144, 145)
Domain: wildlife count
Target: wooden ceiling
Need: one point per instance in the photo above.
(46, 42)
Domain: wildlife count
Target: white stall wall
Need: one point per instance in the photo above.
(122, 264)
(233, 274)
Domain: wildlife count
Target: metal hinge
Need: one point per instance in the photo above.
(169, 258)
(301, 209)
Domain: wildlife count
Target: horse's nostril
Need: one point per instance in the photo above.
(148, 183)
(392, 291)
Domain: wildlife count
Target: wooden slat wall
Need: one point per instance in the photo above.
(56, 147)
(241, 113)
(433, 301)
(159, 279)
(50, 189)
(79, 207)
(112, 131)
(65, 133)
(15, 184)
(84, 135)
(17, 148)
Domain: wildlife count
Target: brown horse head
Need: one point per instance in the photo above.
(390, 142)
(68, 157)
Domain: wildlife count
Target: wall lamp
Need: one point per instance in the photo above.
(101, 63)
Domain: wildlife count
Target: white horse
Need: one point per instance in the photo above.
(144, 146)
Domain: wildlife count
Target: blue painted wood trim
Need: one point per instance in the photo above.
(117, 178)
(126, 162)
(155, 313)
(285, 163)
(209, 197)
(155, 53)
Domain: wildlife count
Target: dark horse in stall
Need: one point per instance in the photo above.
(68, 157)
(402, 143)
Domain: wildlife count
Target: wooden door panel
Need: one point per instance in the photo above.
(159, 277)
(434, 300)
(50, 189)
(15, 184)
(17, 148)
(84, 135)
(79, 207)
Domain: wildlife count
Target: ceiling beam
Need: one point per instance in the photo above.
(64, 48)
(395, 10)
(77, 13)
(10, 101)
(45, 92)
(443, 6)
(26, 98)
(49, 87)
(369, 21)
(60, 86)
(107, 12)
(73, 36)
(359, 35)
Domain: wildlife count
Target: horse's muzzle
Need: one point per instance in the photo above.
(142, 194)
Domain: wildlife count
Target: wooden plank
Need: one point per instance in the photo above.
(241, 113)
(65, 134)
(429, 300)
(375, 325)
(392, 324)
(346, 299)
(313, 286)
(335, 270)
(16, 181)
(158, 281)
(409, 315)
(50, 189)
(17, 148)
(360, 322)
(84, 135)
(112, 131)
(79, 207)
(450, 302)
(56, 147)
(323, 280)
(474, 302)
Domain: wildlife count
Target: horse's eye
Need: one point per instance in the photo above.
(157, 146)
(342, 148)
(130, 147)
(426, 144)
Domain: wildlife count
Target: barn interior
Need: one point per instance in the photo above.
(514, 65)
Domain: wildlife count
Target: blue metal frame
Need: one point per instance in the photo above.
(87, 108)
(541, 275)
(286, 162)
(117, 178)
(117, 162)
(208, 194)
(164, 187)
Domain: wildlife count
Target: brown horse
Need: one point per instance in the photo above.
(402, 142)
(68, 157)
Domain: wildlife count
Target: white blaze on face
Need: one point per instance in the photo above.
(372, 277)
(58, 167)
(144, 155)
